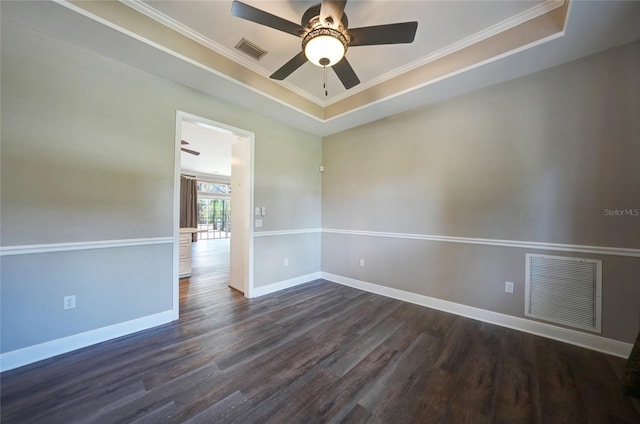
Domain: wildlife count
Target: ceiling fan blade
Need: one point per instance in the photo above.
(346, 74)
(288, 68)
(193, 152)
(258, 16)
(399, 33)
(183, 142)
(331, 12)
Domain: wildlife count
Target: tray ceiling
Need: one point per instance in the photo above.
(459, 46)
(442, 27)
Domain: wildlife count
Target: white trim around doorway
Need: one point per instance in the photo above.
(248, 260)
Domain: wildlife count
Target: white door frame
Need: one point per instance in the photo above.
(248, 253)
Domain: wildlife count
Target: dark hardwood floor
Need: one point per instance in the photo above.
(317, 353)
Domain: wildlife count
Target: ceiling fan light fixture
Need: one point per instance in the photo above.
(324, 46)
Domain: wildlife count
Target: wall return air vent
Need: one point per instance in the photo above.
(564, 290)
(250, 49)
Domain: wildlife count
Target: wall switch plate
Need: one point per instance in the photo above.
(257, 211)
(508, 287)
(263, 211)
(70, 302)
(362, 263)
(258, 223)
(286, 261)
(321, 168)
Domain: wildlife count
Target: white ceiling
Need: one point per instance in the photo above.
(214, 146)
(592, 26)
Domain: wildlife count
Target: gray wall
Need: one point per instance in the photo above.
(289, 183)
(290, 187)
(87, 154)
(301, 250)
(111, 285)
(537, 159)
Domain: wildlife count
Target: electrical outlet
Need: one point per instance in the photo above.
(286, 261)
(70, 302)
(362, 263)
(508, 287)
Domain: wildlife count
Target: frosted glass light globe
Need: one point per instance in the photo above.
(324, 47)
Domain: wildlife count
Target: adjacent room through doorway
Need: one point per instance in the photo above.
(206, 220)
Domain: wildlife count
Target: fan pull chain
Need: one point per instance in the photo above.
(324, 85)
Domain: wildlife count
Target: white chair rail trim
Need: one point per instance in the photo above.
(81, 245)
(599, 250)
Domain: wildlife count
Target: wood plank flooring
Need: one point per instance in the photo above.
(317, 353)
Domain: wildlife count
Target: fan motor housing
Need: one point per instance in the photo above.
(311, 18)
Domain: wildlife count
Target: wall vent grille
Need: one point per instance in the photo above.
(564, 290)
(250, 49)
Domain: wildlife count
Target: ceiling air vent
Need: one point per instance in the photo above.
(250, 49)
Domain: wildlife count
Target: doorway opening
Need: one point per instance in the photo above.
(218, 160)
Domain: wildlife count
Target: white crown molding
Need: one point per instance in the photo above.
(35, 353)
(586, 340)
(109, 24)
(165, 20)
(512, 22)
(598, 250)
(80, 245)
(156, 15)
(527, 15)
(449, 75)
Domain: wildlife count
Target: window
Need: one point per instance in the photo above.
(214, 210)
(213, 188)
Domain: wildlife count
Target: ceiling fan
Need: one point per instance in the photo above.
(184, 149)
(326, 37)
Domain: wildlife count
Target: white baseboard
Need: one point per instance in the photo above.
(589, 341)
(31, 354)
(281, 285)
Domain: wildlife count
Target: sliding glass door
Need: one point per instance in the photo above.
(214, 210)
